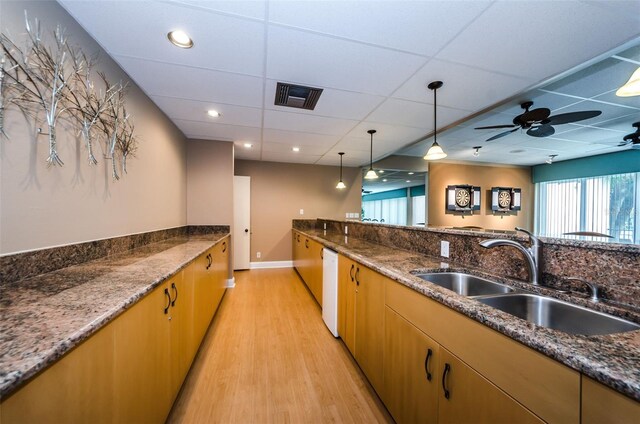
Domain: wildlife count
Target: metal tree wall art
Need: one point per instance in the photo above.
(56, 80)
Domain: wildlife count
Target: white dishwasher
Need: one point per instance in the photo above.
(330, 290)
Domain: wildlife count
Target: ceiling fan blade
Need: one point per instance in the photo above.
(495, 127)
(567, 118)
(535, 115)
(541, 131)
(502, 134)
(624, 143)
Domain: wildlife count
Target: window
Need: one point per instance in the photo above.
(418, 209)
(389, 211)
(606, 204)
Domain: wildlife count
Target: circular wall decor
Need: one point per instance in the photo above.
(504, 199)
(463, 197)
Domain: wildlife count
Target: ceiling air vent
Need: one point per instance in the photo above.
(297, 96)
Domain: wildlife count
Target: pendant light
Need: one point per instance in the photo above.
(340, 183)
(435, 151)
(371, 174)
(632, 87)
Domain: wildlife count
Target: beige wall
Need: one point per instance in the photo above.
(280, 190)
(443, 174)
(209, 182)
(44, 206)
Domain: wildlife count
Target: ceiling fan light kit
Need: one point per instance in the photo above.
(632, 139)
(632, 87)
(435, 152)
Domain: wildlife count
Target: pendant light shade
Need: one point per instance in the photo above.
(632, 87)
(341, 185)
(371, 174)
(435, 152)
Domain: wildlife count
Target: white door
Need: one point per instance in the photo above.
(241, 222)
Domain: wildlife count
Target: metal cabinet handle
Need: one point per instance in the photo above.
(298, 237)
(208, 262)
(426, 363)
(166, 293)
(351, 272)
(358, 276)
(175, 289)
(447, 368)
(224, 246)
(321, 253)
(306, 243)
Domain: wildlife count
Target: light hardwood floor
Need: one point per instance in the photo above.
(268, 358)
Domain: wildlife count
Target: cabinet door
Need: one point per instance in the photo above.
(315, 260)
(467, 397)
(142, 364)
(410, 372)
(602, 405)
(221, 270)
(370, 324)
(347, 302)
(181, 324)
(76, 389)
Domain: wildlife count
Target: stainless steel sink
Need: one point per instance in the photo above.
(558, 315)
(465, 284)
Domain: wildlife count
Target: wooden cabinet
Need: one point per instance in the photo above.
(347, 302)
(307, 260)
(411, 371)
(465, 396)
(132, 369)
(142, 383)
(370, 323)
(76, 389)
(601, 405)
(361, 316)
(547, 388)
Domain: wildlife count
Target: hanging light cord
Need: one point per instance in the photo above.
(340, 167)
(371, 153)
(435, 110)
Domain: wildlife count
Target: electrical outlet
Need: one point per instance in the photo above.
(258, 255)
(444, 249)
(301, 211)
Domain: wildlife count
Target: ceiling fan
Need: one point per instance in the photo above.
(633, 138)
(538, 123)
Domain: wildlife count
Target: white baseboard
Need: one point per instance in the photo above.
(272, 264)
(231, 283)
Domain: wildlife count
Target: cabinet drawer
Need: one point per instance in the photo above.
(548, 388)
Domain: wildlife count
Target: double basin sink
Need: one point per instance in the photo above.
(540, 310)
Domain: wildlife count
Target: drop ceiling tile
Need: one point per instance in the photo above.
(139, 29)
(324, 61)
(589, 135)
(299, 138)
(608, 112)
(289, 157)
(414, 114)
(623, 11)
(197, 111)
(632, 53)
(387, 134)
(210, 131)
(286, 149)
(332, 103)
(540, 98)
(247, 8)
(540, 42)
(610, 97)
(195, 84)
(352, 158)
(464, 87)
(418, 26)
(600, 78)
(306, 123)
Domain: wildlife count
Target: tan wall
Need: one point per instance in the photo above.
(280, 190)
(209, 182)
(443, 174)
(44, 206)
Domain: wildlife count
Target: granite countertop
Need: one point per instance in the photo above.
(44, 317)
(613, 360)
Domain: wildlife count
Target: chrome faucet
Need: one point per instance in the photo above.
(531, 254)
(594, 289)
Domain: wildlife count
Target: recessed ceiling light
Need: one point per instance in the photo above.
(408, 181)
(248, 145)
(411, 173)
(381, 171)
(384, 180)
(296, 149)
(214, 113)
(180, 38)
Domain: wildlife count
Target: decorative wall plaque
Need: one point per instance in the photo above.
(505, 199)
(463, 198)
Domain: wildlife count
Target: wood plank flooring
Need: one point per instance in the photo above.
(268, 358)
